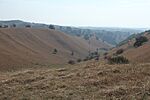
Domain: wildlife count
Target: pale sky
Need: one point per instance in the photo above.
(97, 13)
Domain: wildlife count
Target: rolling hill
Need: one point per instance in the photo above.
(139, 54)
(111, 36)
(29, 46)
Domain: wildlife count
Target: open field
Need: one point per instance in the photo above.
(85, 81)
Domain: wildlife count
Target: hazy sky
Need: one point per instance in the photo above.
(101, 13)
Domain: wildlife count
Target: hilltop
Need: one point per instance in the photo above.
(111, 36)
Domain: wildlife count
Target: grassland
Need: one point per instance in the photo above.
(85, 81)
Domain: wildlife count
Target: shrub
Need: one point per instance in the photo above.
(0, 26)
(14, 25)
(120, 51)
(72, 62)
(5, 26)
(79, 60)
(140, 40)
(52, 27)
(55, 51)
(28, 26)
(118, 60)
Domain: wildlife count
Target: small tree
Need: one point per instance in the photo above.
(140, 40)
(14, 25)
(28, 26)
(52, 27)
(79, 60)
(55, 51)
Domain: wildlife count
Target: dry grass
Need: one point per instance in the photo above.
(91, 81)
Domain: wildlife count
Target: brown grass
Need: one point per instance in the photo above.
(90, 81)
(136, 55)
(28, 46)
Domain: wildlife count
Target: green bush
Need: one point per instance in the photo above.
(118, 60)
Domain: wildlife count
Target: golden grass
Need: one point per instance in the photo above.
(90, 81)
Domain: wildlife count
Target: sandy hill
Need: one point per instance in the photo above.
(22, 46)
(139, 54)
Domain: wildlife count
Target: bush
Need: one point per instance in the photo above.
(55, 51)
(79, 60)
(118, 60)
(72, 62)
(14, 25)
(52, 27)
(120, 51)
(28, 26)
(140, 40)
(5, 26)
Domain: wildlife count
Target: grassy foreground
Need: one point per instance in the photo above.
(90, 81)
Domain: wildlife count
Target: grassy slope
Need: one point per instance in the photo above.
(90, 81)
(140, 54)
(21, 46)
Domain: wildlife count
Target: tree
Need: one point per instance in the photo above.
(28, 26)
(14, 25)
(52, 27)
(55, 51)
(140, 40)
(79, 60)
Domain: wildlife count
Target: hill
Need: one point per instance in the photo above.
(90, 81)
(27, 46)
(135, 54)
(111, 36)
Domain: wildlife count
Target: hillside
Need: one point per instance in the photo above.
(135, 54)
(90, 81)
(27, 46)
(111, 36)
